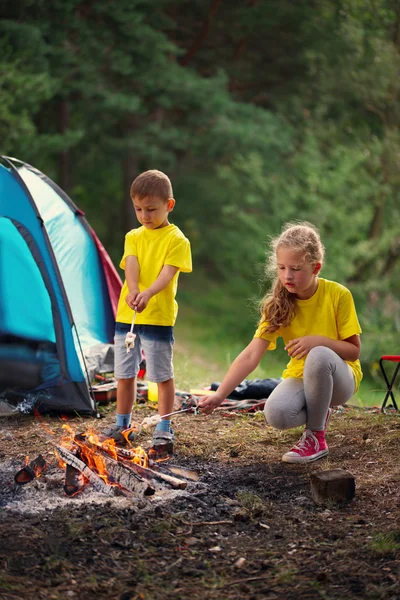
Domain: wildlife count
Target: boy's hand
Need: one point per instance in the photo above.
(131, 298)
(208, 404)
(142, 300)
(300, 347)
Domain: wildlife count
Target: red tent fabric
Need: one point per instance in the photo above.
(114, 283)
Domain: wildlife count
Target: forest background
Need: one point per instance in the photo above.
(260, 111)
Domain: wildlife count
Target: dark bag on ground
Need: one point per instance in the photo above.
(254, 389)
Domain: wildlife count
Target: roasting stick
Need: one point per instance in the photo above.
(130, 336)
(176, 412)
(155, 419)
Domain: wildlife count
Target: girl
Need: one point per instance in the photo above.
(318, 322)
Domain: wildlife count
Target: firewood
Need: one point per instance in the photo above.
(119, 470)
(70, 459)
(178, 484)
(161, 451)
(74, 481)
(126, 477)
(31, 471)
(335, 485)
(123, 458)
(182, 472)
(150, 473)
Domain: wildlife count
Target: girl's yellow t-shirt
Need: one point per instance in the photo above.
(155, 248)
(329, 312)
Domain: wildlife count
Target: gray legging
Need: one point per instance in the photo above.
(327, 381)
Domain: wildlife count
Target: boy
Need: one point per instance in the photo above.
(154, 255)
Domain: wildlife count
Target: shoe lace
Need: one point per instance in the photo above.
(306, 440)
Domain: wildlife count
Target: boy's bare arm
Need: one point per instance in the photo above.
(165, 276)
(132, 271)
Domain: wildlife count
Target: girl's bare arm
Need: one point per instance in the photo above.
(241, 367)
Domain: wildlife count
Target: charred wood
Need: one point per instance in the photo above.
(31, 471)
(174, 482)
(126, 457)
(119, 470)
(70, 459)
(126, 477)
(74, 481)
(161, 451)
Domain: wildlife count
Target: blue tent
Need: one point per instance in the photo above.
(58, 295)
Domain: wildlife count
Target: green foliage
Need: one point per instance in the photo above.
(23, 86)
(252, 133)
(385, 544)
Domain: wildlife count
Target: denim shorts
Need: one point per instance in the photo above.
(156, 341)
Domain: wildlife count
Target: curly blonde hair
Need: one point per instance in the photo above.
(278, 306)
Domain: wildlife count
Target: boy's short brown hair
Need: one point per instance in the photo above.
(152, 183)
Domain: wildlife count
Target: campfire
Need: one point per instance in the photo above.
(90, 461)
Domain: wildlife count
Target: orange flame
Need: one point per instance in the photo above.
(95, 461)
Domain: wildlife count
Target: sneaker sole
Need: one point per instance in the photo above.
(304, 459)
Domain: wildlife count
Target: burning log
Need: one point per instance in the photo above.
(126, 477)
(161, 451)
(119, 472)
(70, 459)
(126, 457)
(178, 484)
(74, 481)
(126, 454)
(31, 471)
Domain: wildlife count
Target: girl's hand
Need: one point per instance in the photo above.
(300, 347)
(208, 404)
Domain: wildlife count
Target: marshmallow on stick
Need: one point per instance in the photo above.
(130, 341)
(152, 421)
(149, 422)
(130, 336)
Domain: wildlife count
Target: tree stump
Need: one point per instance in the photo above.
(336, 485)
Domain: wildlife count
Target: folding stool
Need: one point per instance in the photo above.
(389, 384)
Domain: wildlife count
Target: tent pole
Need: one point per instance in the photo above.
(91, 393)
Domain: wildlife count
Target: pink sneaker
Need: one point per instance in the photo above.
(311, 446)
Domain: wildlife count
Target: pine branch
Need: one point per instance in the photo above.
(202, 35)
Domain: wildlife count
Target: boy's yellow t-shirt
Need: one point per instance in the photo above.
(155, 248)
(329, 312)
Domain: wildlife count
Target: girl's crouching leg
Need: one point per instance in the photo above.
(285, 407)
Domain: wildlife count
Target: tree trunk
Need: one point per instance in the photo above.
(375, 229)
(130, 170)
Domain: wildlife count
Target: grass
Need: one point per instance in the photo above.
(256, 507)
(205, 348)
(383, 544)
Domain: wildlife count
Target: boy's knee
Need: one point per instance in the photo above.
(165, 383)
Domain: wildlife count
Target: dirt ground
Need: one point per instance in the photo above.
(247, 529)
